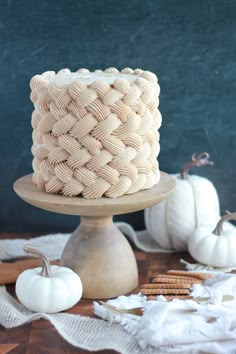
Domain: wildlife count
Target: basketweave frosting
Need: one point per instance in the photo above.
(95, 134)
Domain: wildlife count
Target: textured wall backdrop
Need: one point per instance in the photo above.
(189, 44)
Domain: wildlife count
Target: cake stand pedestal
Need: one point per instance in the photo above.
(97, 250)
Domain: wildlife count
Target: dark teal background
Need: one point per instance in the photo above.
(190, 45)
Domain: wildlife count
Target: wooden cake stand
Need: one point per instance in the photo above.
(97, 250)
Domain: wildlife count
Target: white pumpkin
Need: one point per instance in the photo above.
(193, 203)
(49, 289)
(214, 247)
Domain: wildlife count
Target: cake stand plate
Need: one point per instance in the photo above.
(97, 250)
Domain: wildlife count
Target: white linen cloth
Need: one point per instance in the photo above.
(177, 327)
(84, 332)
(53, 245)
(165, 327)
(182, 326)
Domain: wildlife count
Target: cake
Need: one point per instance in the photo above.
(95, 134)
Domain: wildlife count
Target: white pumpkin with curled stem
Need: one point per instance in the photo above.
(48, 289)
(193, 203)
(215, 247)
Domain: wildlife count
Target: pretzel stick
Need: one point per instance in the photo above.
(9, 272)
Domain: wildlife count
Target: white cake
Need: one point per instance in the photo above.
(95, 134)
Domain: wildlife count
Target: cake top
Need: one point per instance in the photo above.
(110, 75)
(89, 78)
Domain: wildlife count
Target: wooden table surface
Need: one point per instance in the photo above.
(40, 337)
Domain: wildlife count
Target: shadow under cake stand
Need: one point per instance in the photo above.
(97, 250)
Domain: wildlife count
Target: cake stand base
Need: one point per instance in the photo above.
(102, 257)
(97, 250)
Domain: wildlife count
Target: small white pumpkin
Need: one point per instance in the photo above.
(48, 289)
(194, 202)
(215, 247)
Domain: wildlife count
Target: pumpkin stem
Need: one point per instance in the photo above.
(200, 160)
(46, 269)
(219, 227)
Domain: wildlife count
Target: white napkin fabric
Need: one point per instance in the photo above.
(52, 246)
(203, 267)
(84, 332)
(182, 326)
(177, 327)
(142, 239)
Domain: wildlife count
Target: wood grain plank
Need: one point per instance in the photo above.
(6, 348)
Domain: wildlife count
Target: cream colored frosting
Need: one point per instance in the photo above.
(95, 133)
